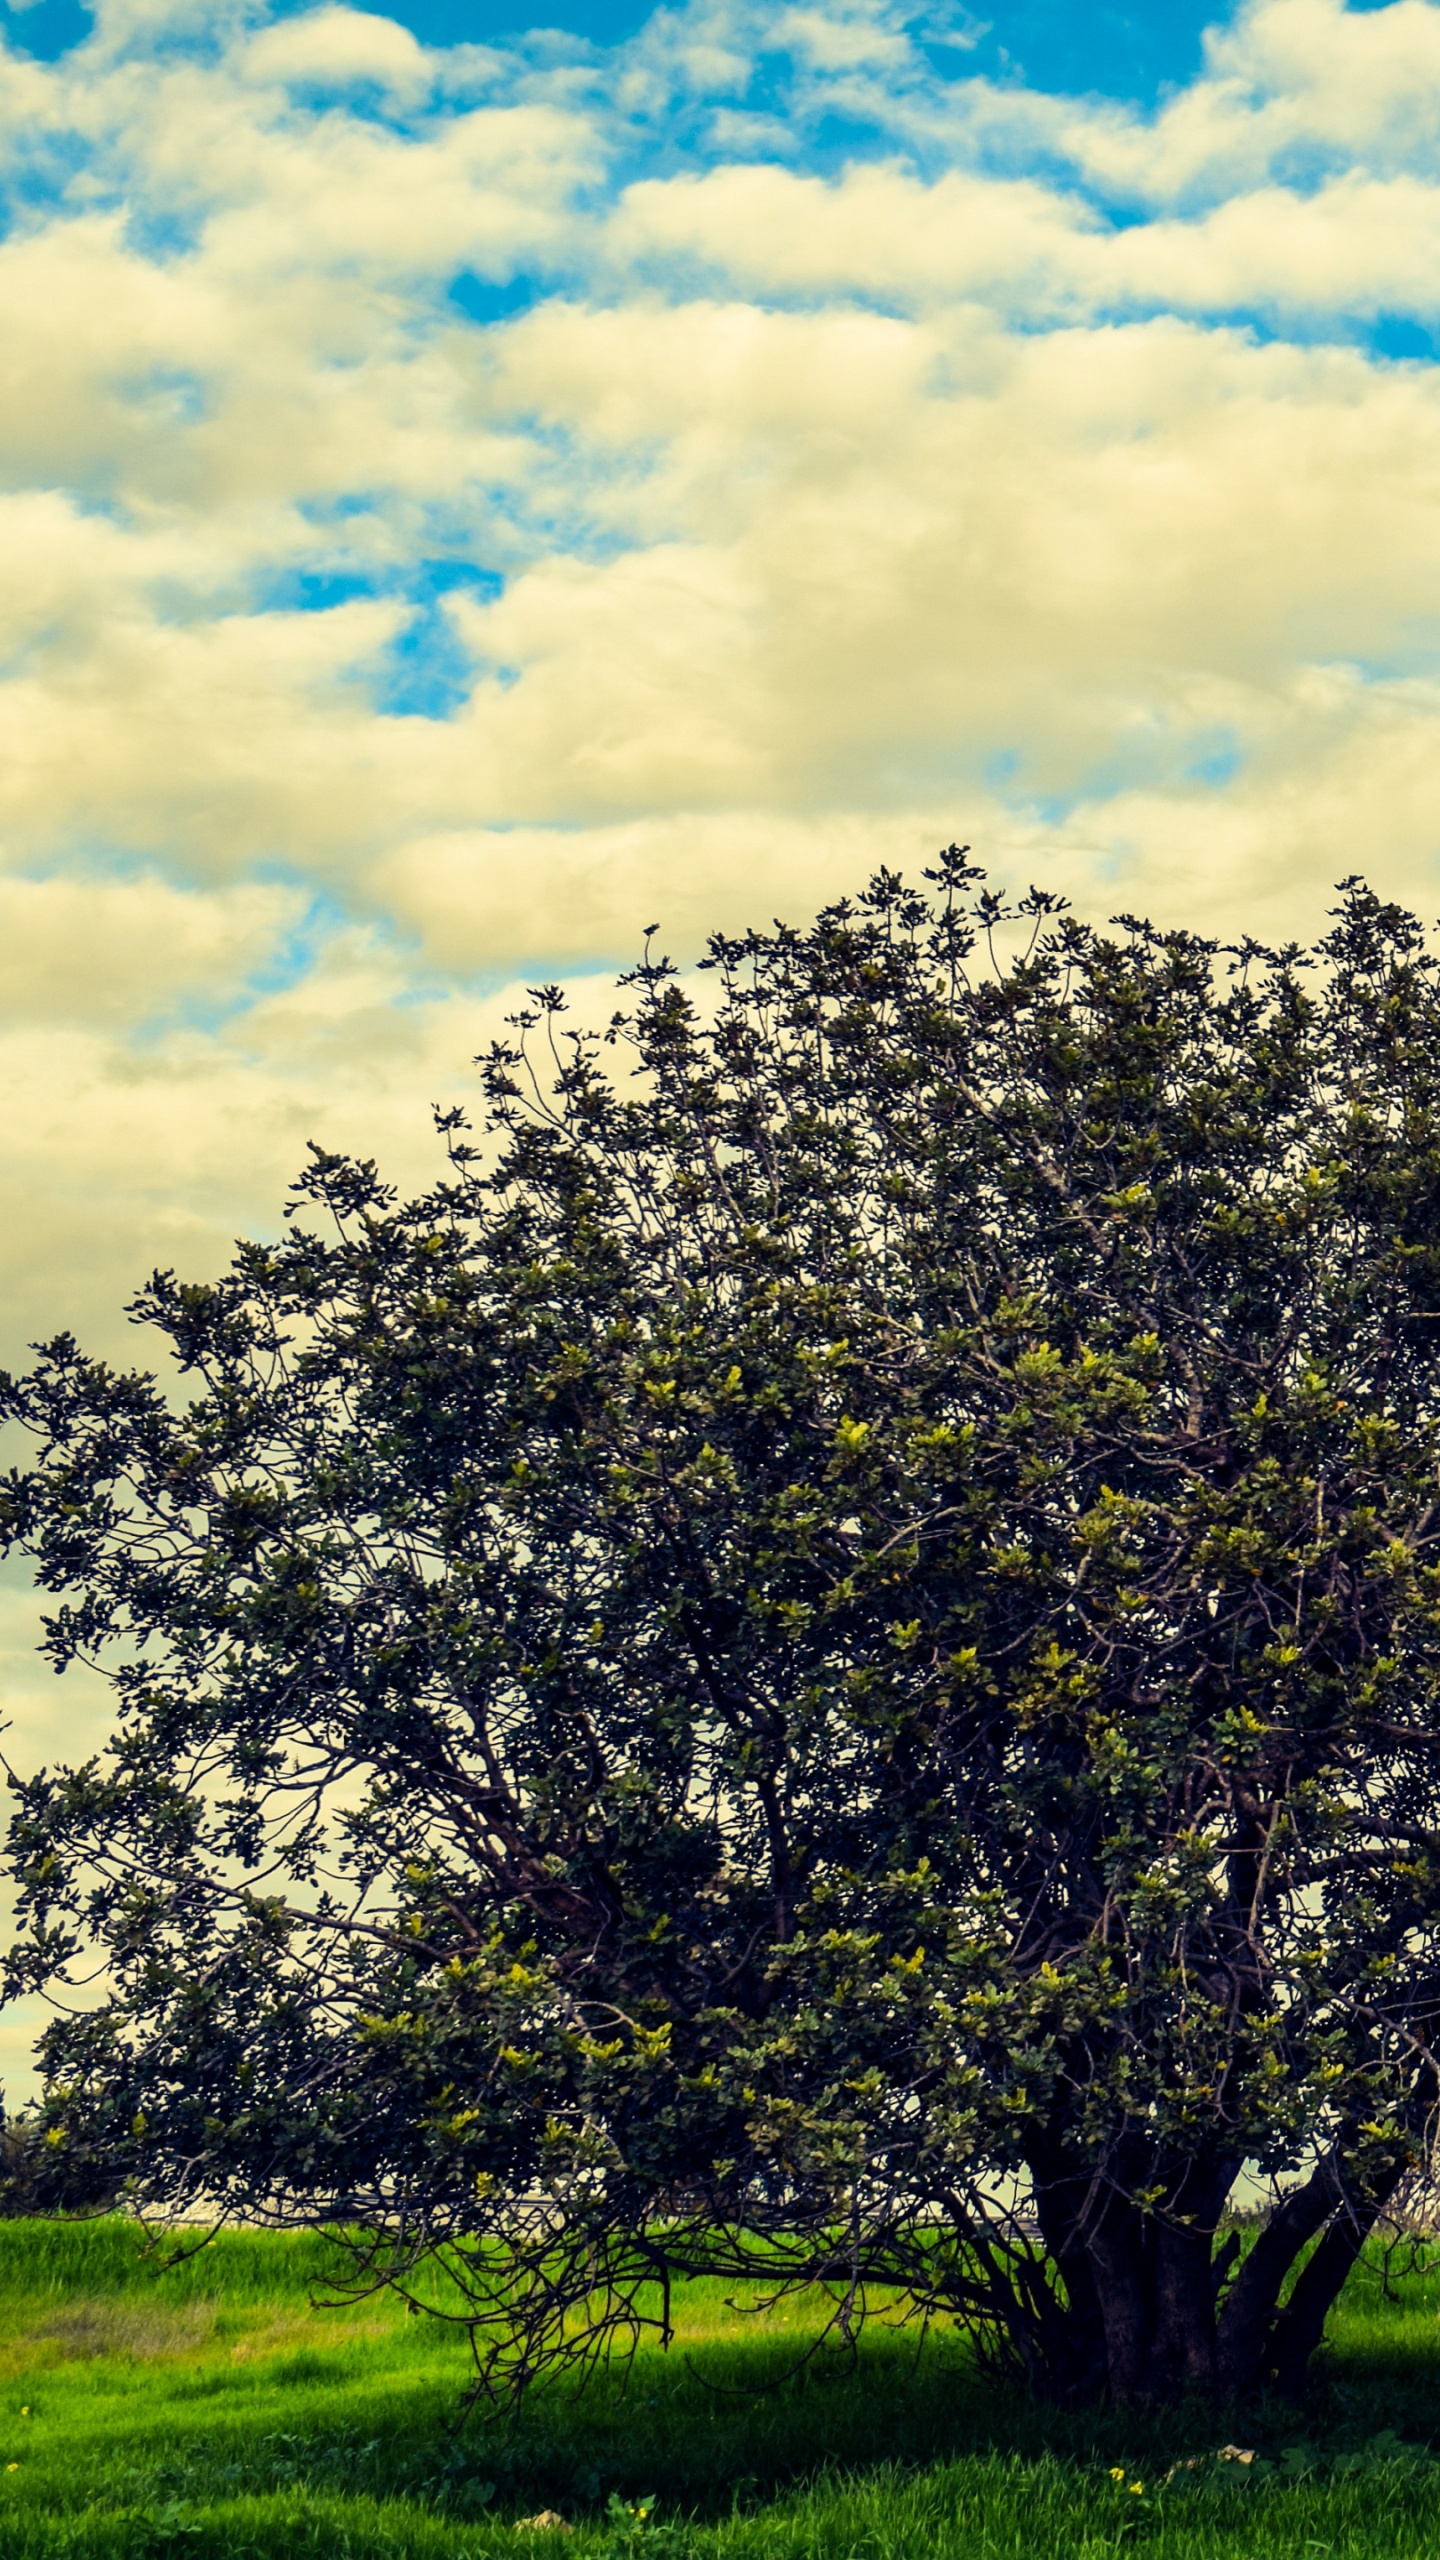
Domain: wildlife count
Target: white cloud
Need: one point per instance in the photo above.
(116, 950)
(877, 229)
(339, 49)
(122, 1153)
(833, 41)
(1355, 245)
(524, 896)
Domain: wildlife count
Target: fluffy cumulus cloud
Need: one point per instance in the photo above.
(460, 502)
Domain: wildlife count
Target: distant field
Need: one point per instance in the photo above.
(214, 2411)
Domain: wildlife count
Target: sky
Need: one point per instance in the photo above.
(472, 484)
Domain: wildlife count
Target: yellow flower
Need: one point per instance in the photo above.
(1137, 2488)
(12, 2466)
(1115, 2471)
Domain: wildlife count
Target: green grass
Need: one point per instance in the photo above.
(217, 2412)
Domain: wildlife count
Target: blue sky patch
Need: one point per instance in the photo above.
(318, 590)
(294, 955)
(47, 30)
(1082, 46)
(1401, 340)
(427, 672)
(485, 302)
(1216, 761)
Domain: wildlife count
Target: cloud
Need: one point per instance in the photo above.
(561, 896)
(750, 556)
(1302, 84)
(117, 950)
(1353, 246)
(833, 41)
(340, 49)
(123, 1152)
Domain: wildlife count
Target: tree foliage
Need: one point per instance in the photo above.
(824, 1662)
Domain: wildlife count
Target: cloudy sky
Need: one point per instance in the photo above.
(470, 488)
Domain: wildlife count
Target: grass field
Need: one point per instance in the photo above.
(216, 2411)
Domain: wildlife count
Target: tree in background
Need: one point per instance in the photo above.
(63, 2176)
(824, 1664)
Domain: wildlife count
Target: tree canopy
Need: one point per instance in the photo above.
(824, 1662)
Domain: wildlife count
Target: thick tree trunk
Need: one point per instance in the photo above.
(1118, 2255)
(1184, 2348)
(1147, 2312)
(1139, 2286)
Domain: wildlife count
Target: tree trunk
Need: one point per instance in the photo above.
(1248, 2318)
(1301, 2325)
(1073, 2346)
(1147, 2313)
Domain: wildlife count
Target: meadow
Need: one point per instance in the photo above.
(221, 2411)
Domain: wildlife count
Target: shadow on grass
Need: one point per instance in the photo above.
(724, 2428)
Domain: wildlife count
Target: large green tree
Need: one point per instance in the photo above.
(825, 1661)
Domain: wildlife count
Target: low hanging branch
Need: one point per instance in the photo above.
(821, 1667)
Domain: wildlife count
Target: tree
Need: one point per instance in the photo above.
(823, 1664)
(41, 2177)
